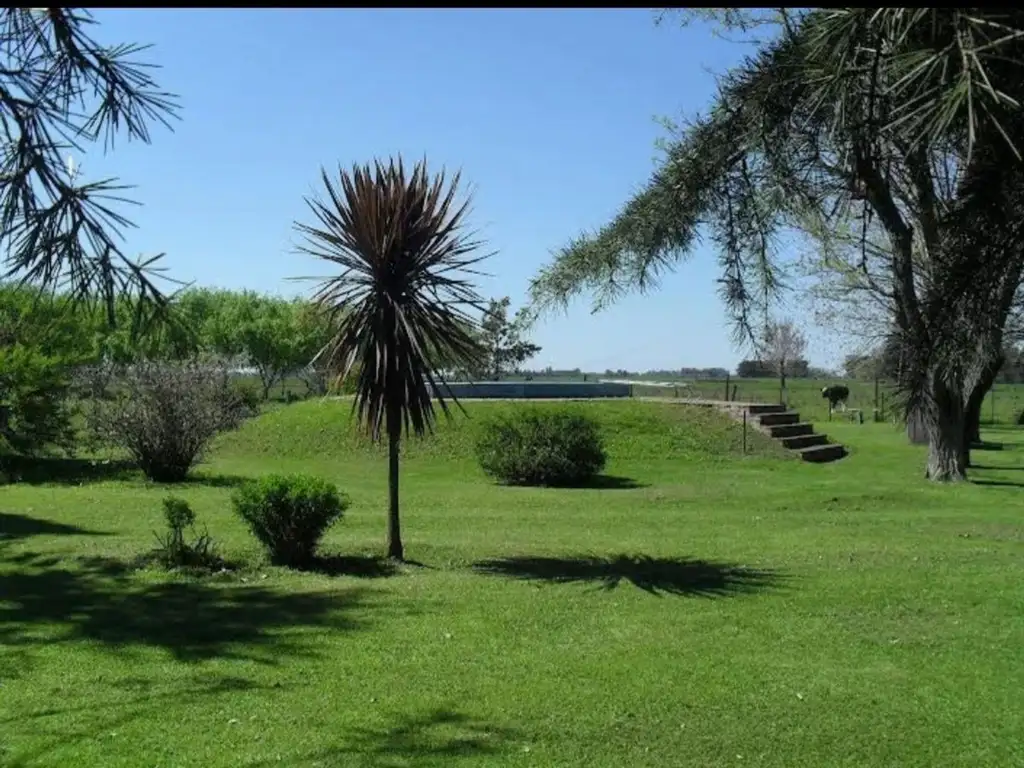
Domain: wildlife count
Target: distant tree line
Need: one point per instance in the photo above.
(760, 369)
(46, 339)
(884, 364)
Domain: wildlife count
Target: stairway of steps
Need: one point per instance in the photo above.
(785, 426)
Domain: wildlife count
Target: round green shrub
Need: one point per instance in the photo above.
(534, 446)
(289, 514)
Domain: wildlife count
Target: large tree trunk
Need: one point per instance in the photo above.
(972, 413)
(394, 427)
(945, 419)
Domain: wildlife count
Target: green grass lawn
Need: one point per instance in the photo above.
(705, 609)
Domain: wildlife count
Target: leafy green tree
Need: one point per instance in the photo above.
(313, 333)
(397, 304)
(504, 348)
(267, 332)
(177, 336)
(902, 126)
(41, 341)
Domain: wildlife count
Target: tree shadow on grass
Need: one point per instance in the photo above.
(49, 470)
(997, 468)
(137, 693)
(598, 482)
(52, 470)
(655, 575)
(610, 483)
(999, 483)
(985, 445)
(1002, 427)
(359, 566)
(438, 737)
(138, 698)
(362, 566)
(212, 480)
(45, 600)
(14, 527)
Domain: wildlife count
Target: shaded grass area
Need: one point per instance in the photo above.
(93, 599)
(555, 627)
(655, 575)
(44, 470)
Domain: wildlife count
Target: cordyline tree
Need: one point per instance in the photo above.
(398, 303)
(61, 91)
(902, 120)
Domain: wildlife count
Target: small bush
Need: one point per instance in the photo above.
(165, 414)
(248, 397)
(289, 514)
(174, 550)
(541, 447)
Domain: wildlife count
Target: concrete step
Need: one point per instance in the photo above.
(797, 442)
(757, 410)
(822, 453)
(775, 419)
(791, 430)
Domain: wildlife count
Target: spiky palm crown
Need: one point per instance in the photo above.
(399, 301)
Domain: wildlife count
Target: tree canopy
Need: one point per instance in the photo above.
(897, 128)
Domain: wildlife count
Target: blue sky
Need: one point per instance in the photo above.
(550, 114)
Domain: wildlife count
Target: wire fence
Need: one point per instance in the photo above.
(870, 400)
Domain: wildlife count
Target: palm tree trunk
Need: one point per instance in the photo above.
(394, 427)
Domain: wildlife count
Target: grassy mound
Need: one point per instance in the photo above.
(318, 429)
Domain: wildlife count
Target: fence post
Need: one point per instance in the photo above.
(727, 387)
(876, 393)
(993, 403)
(744, 431)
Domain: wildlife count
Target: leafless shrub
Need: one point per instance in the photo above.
(164, 414)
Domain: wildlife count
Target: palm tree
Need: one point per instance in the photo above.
(903, 122)
(399, 301)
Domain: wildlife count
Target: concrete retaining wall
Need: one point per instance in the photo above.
(525, 390)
